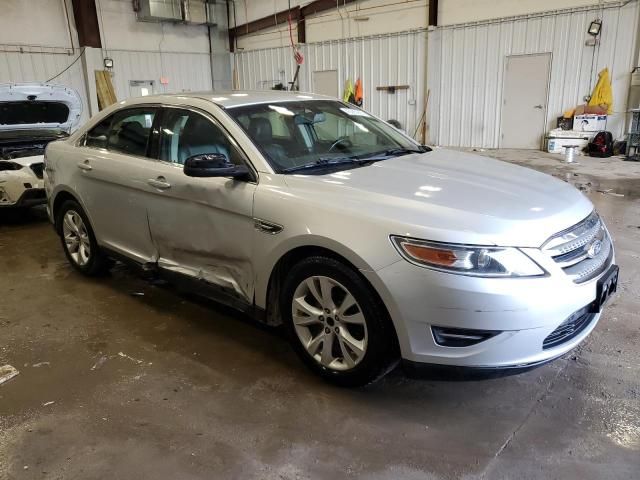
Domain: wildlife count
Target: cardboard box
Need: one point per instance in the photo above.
(589, 122)
(591, 110)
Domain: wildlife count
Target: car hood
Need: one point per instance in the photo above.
(59, 107)
(452, 196)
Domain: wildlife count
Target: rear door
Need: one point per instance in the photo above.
(111, 181)
(201, 227)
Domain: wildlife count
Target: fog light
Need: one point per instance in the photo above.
(461, 337)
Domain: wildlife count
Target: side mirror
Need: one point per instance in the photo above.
(213, 165)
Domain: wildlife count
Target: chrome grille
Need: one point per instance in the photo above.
(582, 251)
(570, 328)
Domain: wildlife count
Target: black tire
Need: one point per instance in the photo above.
(382, 353)
(98, 263)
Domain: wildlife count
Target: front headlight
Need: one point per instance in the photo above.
(471, 260)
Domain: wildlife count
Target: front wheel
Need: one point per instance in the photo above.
(337, 323)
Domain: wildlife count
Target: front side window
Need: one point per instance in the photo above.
(97, 136)
(320, 133)
(184, 134)
(129, 132)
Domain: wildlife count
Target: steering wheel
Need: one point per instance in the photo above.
(344, 140)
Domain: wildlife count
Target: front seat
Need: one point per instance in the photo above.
(261, 133)
(200, 137)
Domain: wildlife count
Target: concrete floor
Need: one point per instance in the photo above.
(163, 386)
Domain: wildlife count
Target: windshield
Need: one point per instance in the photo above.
(32, 112)
(319, 135)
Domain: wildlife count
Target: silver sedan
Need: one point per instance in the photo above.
(312, 213)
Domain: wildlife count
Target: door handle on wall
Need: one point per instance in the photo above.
(538, 106)
(159, 183)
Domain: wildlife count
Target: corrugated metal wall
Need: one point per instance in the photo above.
(185, 71)
(396, 59)
(466, 69)
(16, 67)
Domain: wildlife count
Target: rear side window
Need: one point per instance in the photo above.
(129, 132)
(97, 136)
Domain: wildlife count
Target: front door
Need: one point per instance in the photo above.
(524, 100)
(201, 227)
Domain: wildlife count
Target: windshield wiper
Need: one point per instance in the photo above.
(324, 162)
(394, 152)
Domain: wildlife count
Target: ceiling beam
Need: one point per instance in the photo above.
(86, 20)
(265, 22)
(297, 14)
(433, 13)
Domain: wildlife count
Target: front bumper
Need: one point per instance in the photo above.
(29, 198)
(525, 311)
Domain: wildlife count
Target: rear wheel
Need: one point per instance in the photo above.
(337, 323)
(78, 240)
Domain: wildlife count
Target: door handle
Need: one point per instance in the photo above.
(159, 183)
(85, 166)
(538, 106)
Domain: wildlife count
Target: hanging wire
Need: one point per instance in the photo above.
(68, 66)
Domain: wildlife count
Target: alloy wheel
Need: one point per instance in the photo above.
(76, 238)
(329, 323)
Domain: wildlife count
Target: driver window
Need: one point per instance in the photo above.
(97, 136)
(185, 134)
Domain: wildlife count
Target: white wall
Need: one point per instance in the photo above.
(376, 17)
(466, 69)
(374, 60)
(36, 44)
(384, 16)
(122, 31)
(34, 23)
(463, 11)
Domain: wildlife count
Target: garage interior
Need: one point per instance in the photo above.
(129, 377)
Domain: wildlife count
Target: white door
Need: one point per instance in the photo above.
(325, 82)
(524, 100)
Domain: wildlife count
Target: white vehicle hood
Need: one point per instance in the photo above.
(452, 196)
(26, 93)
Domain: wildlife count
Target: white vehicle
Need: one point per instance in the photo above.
(313, 213)
(31, 116)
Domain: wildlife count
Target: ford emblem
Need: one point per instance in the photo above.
(594, 249)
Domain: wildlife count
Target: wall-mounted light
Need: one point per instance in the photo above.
(594, 27)
(108, 63)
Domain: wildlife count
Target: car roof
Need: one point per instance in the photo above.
(233, 98)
